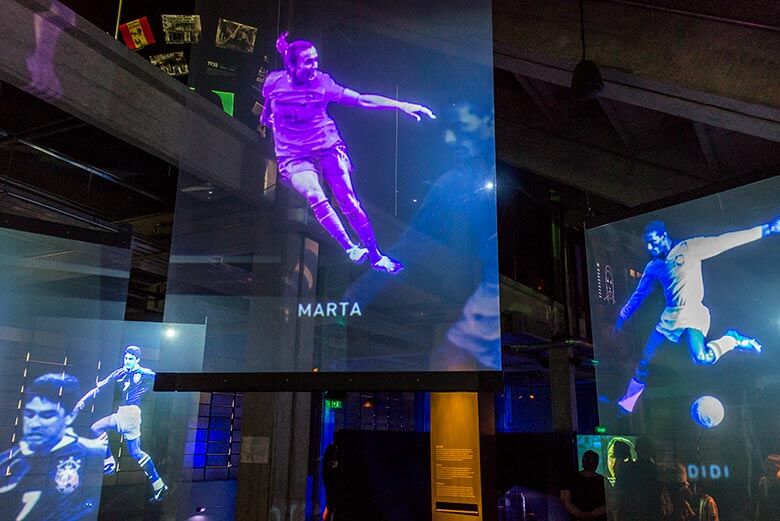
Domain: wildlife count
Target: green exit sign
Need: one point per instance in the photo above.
(334, 404)
(600, 429)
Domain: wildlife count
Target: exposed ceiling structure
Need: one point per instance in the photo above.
(691, 97)
(691, 100)
(624, 153)
(58, 168)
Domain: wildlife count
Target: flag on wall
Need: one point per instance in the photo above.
(137, 33)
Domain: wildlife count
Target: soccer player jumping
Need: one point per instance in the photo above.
(307, 143)
(676, 266)
(133, 382)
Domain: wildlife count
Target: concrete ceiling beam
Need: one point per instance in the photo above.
(615, 177)
(712, 71)
(98, 80)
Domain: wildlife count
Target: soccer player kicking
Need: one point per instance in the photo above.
(307, 144)
(52, 474)
(676, 266)
(132, 382)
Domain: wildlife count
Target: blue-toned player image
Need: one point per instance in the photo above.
(51, 474)
(132, 383)
(676, 266)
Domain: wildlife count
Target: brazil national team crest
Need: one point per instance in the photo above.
(67, 477)
(137, 378)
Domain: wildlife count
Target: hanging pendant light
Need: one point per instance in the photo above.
(586, 82)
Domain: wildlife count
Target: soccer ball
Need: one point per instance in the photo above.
(707, 411)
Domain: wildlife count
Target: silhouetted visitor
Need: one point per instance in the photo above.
(583, 497)
(621, 454)
(683, 502)
(330, 470)
(768, 497)
(637, 486)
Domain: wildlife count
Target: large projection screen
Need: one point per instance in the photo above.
(357, 238)
(685, 305)
(54, 277)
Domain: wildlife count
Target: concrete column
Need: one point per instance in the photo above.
(275, 432)
(254, 476)
(562, 389)
(274, 457)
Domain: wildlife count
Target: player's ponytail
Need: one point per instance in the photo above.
(290, 51)
(282, 45)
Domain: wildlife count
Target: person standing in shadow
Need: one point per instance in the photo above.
(768, 497)
(683, 502)
(330, 473)
(637, 486)
(584, 496)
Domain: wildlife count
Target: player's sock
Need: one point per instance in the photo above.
(634, 391)
(158, 484)
(147, 465)
(331, 222)
(359, 222)
(733, 339)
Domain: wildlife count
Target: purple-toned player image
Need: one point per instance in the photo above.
(308, 145)
(132, 383)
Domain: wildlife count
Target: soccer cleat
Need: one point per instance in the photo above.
(159, 494)
(387, 265)
(744, 343)
(634, 391)
(357, 254)
(109, 466)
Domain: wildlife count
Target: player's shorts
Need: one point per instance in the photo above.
(674, 321)
(128, 421)
(330, 162)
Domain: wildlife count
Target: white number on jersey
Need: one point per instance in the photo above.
(29, 500)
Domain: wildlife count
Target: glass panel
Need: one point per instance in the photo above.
(354, 237)
(684, 306)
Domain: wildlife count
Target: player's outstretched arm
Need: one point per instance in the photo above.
(643, 289)
(619, 323)
(376, 102)
(708, 247)
(95, 390)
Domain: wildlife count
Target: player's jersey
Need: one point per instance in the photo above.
(133, 385)
(680, 273)
(62, 484)
(301, 123)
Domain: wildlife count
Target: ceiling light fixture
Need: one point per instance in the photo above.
(586, 82)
